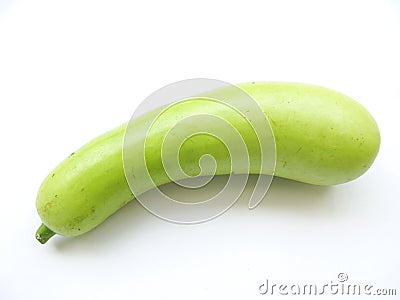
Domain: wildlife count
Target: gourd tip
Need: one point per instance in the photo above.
(43, 234)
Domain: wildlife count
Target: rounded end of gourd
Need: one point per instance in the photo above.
(43, 234)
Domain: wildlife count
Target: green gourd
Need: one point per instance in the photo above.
(322, 137)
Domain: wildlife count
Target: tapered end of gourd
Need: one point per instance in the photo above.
(43, 234)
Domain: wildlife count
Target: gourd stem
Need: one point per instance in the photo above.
(43, 234)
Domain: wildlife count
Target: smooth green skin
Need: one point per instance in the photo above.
(322, 137)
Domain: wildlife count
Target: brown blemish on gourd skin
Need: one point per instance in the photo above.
(78, 219)
(47, 207)
(298, 150)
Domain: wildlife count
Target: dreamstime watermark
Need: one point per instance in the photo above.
(341, 286)
(187, 133)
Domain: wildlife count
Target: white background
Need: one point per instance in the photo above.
(70, 70)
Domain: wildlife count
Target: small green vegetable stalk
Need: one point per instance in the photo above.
(43, 234)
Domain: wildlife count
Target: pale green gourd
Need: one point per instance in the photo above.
(322, 137)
